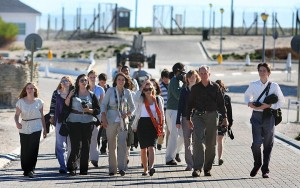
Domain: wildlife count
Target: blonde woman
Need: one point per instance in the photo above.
(192, 78)
(59, 95)
(30, 107)
(148, 123)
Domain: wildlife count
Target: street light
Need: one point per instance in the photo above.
(210, 7)
(264, 17)
(220, 58)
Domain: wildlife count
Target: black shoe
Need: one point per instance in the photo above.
(111, 174)
(159, 146)
(172, 162)
(25, 173)
(145, 174)
(265, 175)
(122, 172)
(30, 174)
(207, 173)
(196, 173)
(127, 161)
(72, 172)
(94, 163)
(83, 173)
(254, 171)
(131, 148)
(221, 161)
(177, 158)
(62, 171)
(152, 171)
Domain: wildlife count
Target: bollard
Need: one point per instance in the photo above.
(248, 60)
(220, 58)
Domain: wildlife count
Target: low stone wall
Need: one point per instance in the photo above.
(13, 77)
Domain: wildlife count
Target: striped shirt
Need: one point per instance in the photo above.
(164, 93)
(256, 88)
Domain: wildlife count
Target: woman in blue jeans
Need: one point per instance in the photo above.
(57, 102)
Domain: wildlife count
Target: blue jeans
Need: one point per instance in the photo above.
(60, 148)
(262, 133)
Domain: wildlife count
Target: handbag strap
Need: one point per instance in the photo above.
(264, 91)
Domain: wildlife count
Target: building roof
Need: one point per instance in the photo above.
(16, 6)
(121, 9)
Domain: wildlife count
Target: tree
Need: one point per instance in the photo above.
(8, 32)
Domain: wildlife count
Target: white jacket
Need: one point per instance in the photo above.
(139, 102)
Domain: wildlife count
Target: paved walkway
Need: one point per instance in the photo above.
(285, 171)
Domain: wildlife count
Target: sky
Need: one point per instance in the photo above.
(196, 12)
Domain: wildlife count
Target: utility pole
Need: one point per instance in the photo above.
(232, 19)
(136, 13)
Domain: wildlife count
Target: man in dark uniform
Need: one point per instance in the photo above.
(205, 100)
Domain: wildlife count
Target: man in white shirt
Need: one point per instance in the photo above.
(262, 123)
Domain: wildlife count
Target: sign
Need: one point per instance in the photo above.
(295, 43)
(33, 42)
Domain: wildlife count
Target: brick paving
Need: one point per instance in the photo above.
(284, 167)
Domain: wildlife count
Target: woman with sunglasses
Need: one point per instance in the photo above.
(116, 108)
(30, 107)
(57, 103)
(83, 106)
(148, 124)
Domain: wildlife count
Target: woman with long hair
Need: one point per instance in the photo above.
(192, 78)
(30, 107)
(83, 106)
(221, 130)
(116, 108)
(148, 124)
(59, 95)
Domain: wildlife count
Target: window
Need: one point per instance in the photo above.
(21, 27)
(123, 14)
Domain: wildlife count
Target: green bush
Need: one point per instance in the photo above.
(8, 32)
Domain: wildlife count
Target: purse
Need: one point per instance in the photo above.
(64, 129)
(277, 116)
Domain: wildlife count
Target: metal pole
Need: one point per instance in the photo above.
(32, 50)
(136, 11)
(274, 53)
(232, 19)
(298, 91)
(210, 7)
(221, 33)
(263, 50)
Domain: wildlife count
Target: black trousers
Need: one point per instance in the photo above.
(80, 137)
(29, 150)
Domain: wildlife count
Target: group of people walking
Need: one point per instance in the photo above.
(184, 109)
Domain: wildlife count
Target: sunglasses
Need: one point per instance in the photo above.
(148, 89)
(64, 81)
(82, 80)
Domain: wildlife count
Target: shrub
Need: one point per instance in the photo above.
(8, 32)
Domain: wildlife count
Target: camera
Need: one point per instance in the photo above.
(222, 129)
(257, 104)
(84, 104)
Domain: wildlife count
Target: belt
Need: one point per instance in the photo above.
(200, 113)
(30, 119)
(78, 112)
(112, 108)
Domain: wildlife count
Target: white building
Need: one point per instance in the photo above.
(16, 12)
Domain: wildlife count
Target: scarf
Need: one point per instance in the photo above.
(157, 125)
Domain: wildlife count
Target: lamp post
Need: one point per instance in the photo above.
(210, 7)
(264, 17)
(220, 58)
